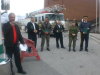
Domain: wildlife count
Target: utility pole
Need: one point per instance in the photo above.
(96, 15)
(99, 15)
(1, 44)
(5, 5)
(97, 28)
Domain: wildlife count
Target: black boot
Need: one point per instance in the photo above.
(22, 72)
(74, 50)
(29, 49)
(81, 49)
(41, 49)
(69, 49)
(48, 49)
(63, 47)
(57, 46)
(86, 50)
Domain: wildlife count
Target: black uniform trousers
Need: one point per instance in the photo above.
(33, 38)
(59, 36)
(14, 50)
(86, 38)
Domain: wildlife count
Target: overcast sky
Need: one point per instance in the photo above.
(21, 7)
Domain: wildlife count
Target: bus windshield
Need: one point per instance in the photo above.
(55, 16)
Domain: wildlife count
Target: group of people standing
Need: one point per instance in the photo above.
(46, 29)
(84, 29)
(58, 30)
(33, 28)
(12, 36)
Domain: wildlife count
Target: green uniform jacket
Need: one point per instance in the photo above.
(73, 30)
(46, 28)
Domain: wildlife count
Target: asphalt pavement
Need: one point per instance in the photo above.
(61, 61)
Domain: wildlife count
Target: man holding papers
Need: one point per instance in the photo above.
(85, 27)
(12, 37)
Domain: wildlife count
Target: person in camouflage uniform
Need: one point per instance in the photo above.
(73, 30)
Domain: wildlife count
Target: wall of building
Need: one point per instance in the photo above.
(75, 9)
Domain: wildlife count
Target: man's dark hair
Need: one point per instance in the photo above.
(47, 18)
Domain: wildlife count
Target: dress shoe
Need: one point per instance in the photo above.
(74, 50)
(57, 47)
(81, 49)
(86, 50)
(48, 49)
(22, 72)
(41, 50)
(63, 47)
(69, 49)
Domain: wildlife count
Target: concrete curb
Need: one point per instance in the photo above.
(95, 38)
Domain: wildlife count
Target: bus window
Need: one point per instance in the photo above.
(35, 19)
(39, 18)
(55, 16)
(42, 18)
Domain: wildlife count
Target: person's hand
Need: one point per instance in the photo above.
(73, 34)
(88, 28)
(12, 23)
(46, 33)
(35, 31)
(84, 33)
(57, 31)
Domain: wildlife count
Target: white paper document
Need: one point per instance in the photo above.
(23, 47)
(3, 62)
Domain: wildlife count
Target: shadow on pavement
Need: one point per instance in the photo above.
(34, 67)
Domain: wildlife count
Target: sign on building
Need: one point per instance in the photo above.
(5, 4)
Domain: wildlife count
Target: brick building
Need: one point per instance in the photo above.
(75, 9)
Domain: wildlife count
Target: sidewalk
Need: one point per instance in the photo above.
(95, 36)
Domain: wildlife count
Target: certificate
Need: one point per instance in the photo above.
(23, 47)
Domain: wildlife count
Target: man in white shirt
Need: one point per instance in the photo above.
(32, 28)
(58, 31)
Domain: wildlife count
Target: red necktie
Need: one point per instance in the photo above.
(14, 34)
